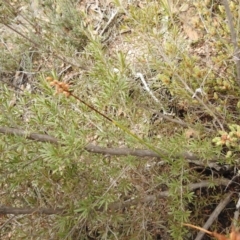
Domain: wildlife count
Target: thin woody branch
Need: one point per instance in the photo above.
(120, 151)
(165, 194)
(190, 157)
(233, 38)
(113, 206)
(16, 211)
(215, 214)
(32, 136)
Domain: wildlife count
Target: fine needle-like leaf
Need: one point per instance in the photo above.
(64, 88)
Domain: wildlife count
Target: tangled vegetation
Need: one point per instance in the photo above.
(119, 119)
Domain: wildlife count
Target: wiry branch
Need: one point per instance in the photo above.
(165, 194)
(121, 151)
(16, 211)
(215, 214)
(32, 136)
(190, 157)
(233, 38)
(110, 151)
(115, 205)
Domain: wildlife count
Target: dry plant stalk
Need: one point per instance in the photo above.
(233, 38)
(234, 235)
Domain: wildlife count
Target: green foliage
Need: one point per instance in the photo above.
(104, 196)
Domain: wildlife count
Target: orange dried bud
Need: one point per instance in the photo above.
(61, 87)
(64, 86)
(224, 137)
(53, 83)
(49, 78)
(67, 94)
(238, 134)
(59, 90)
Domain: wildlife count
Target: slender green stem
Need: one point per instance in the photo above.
(126, 130)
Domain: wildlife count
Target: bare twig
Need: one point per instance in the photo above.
(16, 211)
(174, 120)
(235, 218)
(110, 21)
(190, 157)
(6, 222)
(140, 75)
(215, 214)
(120, 151)
(233, 38)
(236, 213)
(32, 136)
(164, 194)
(115, 205)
